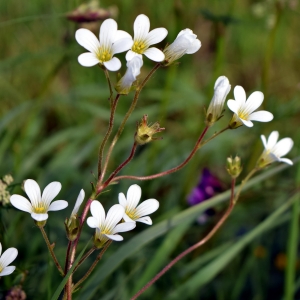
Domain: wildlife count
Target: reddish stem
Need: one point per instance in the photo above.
(192, 248)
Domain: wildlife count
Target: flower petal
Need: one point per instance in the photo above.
(123, 227)
(78, 202)
(287, 161)
(108, 31)
(254, 101)
(261, 116)
(122, 200)
(122, 45)
(194, 47)
(155, 54)
(263, 138)
(114, 216)
(114, 237)
(121, 34)
(283, 147)
(133, 196)
(147, 207)
(8, 256)
(0, 249)
(156, 35)
(7, 271)
(130, 55)
(33, 191)
(233, 106)
(50, 192)
(247, 123)
(21, 203)
(127, 218)
(92, 222)
(239, 95)
(88, 59)
(147, 220)
(98, 212)
(272, 140)
(141, 27)
(113, 65)
(87, 39)
(39, 217)
(58, 205)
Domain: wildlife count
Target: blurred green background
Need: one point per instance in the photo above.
(54, 114)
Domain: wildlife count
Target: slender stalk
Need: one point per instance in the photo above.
(68, 256)
(108, 133)
(195, 246)
(84, 258)
(93, 265)
(61, 271)
(175, 169)
(213, 136)
(118, 169)
(131, 108)
(109, 83)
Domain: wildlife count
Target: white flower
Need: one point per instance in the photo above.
(112, 41)
(215, 109)
(244, 110)
(186, 42)
(78, 203)
(106, 227)
(40, 204)
(275, 150)
(134, 212)
(6, 258)
(133, 70)
(143, 39)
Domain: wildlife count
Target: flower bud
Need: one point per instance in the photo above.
(234, 166)
(215, 109)
(145, 133)
(133, 70)
(186, 42)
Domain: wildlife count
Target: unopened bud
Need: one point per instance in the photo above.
(145, 133)
(72, 227)
(234, 167)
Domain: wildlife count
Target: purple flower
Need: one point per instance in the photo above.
(208, 186)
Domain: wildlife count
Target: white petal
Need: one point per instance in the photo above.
(147, 207)
(7, 271)
(98, 212)
(122, 199)
(21, 203)
(122, 45)
(0, 249)
(133, 196)
(92, 222)
(254, 101)
(50, 192)
(283, 147)
(156, 35)
(287, 161)
(272, 140)
(141, 27)
(113, 65)
(123, 227)
(239, 95)
(263, 138)
(114, 216)
(121, 34)
(58, 205)
(233, 106)
(87, 39)
(8, 256)
(147, 220)
(39, 217)
(261, 116)
(247, 123)
(130, 55)
(127, 218)
(154, 54)
(78, 202)
(194, 47)
(108, 31)
(33, 191)
(114, 237)
(88, 59)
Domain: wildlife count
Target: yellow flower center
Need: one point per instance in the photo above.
(104, 54)
(139, 47)
(40, 209)
(132, 214)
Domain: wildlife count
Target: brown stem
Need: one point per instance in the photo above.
(67, 257)
(175, 169)
(213, 136)
(93, 265)
(120, 130)
(109, 82)
(108, 133)
(192, 248)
